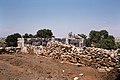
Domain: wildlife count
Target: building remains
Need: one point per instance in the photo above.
(71, 39)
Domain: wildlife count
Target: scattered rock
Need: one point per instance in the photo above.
(81, 74)
(101, 69)
(76, 78)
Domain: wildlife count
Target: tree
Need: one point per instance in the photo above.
(106, 44)
(44, 33)
(103, 34)
(87, 42)
(11, 40)
(83, 36)
(31, 36)
(26, 35)
(118, 45)
(102, 39)
(94, 36)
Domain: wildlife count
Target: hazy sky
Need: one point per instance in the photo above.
(61, 16)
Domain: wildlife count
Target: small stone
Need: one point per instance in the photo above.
(101, 70)
(63, 70)
(61, 62)
(107, 69)
(76, 78)
(81, 74)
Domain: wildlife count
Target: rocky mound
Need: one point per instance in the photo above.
(85, 56)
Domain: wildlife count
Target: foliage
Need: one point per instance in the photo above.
(87, 42)
(83, 36)
(103, 34)
(44, 33)
(31, 36)
(94, 36)
(11, 40)
(26, 35)
(101, 39)
(106, 44)
(118, 45)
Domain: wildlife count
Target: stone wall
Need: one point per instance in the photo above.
(9, 50)
(85, 56)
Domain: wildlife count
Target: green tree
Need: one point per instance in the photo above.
(26, 35)
(44, 33)
(11, 40)
(118, 45)
(83, 36)
(87, 42)
(102, 39)
(94, 36)
(103, 34)
(106, 44)
(31, 36)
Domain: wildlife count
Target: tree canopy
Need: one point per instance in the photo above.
(94, 36)
(83, 36)
(103, 34)
(11, 40)
(26, 35)
(101, 39)
(44, 33)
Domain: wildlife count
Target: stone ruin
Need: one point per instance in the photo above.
(98, 58)
(82, 56)
(9, 50)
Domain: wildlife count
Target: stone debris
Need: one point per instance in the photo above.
(105, 69)
(81, 74)
(63, 70)
(76, 78)
(86, 56)
(9, 50)
(101, 70)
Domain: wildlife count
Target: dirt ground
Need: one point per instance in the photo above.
(32, 67)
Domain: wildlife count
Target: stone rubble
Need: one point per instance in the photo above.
(9, 50)
(87, 56)
(76, 78)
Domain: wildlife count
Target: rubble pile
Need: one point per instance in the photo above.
(86, 56)
(9, 50)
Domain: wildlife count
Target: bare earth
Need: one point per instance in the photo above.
(32, 67)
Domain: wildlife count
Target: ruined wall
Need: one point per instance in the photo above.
(84, 56)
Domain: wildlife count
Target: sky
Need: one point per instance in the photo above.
(60, 16)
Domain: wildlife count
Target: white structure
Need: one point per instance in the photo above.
(75, 38)
(20, 42)
(72, 39)
(22, 45)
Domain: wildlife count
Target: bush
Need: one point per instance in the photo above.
(102, 39)
(44, 33)
(11, 40)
